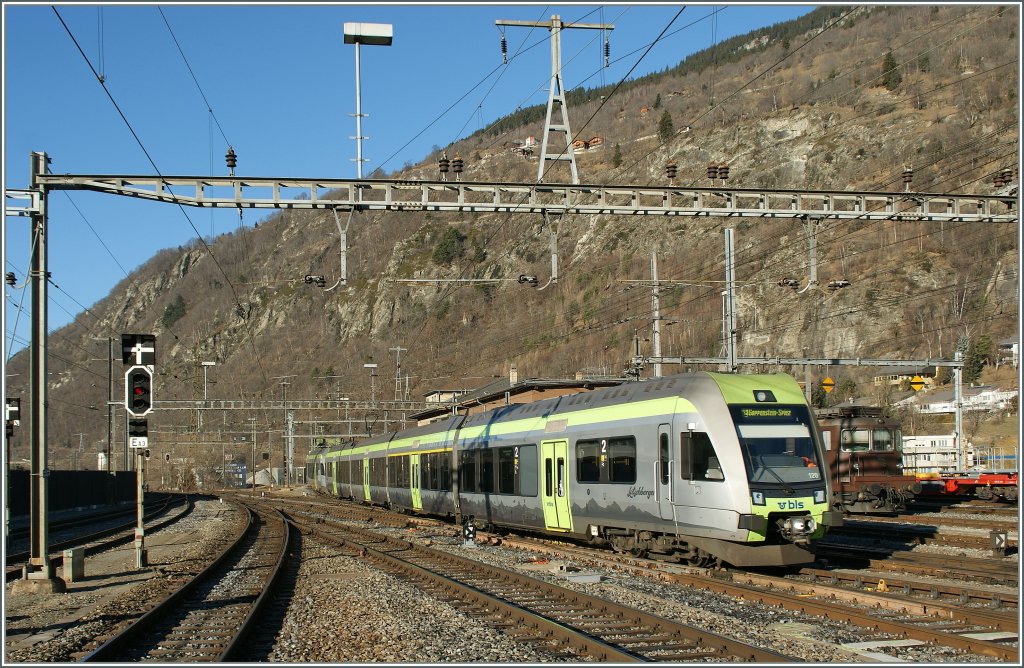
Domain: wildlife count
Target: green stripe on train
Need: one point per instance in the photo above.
(628, 411)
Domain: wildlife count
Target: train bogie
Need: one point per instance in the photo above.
(702, 468)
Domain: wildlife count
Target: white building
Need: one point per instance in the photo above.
(933, 454)
(980, 398)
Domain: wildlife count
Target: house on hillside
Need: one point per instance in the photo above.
(644, 111)
(894, 375)
(1007, 352)
(443, 396)
(978, 398)
(587, 144)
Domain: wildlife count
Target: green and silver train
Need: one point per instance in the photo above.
(702, 468)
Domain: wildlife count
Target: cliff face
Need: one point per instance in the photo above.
(822, 119)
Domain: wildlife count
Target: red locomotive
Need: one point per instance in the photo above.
(864, 452)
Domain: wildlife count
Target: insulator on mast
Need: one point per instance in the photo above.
(504, 50)
(607, 51)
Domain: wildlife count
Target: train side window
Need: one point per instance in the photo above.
(589, 456)
(467, 471)
(622, 459)
(548, 478)
(528, 470)
(826, 439)
(487, 471)
(435, 470)
(855, 440)
(506, 471)
(882, 440)
(446, 474)
(699, 461)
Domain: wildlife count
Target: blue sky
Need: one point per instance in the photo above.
(281, 84)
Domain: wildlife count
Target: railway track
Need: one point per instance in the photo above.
(963, 505)
(104, 539)
(972, 569)
(85, 518)
(1005, 522)
(891, 612)
(208, 618)
(923, 533)
(535, 611)
(956, 616)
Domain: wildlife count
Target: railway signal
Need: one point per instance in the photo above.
(12, 416)
(138, 390)
(469, 533)
(138, 434)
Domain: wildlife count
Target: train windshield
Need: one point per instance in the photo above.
(777, 444)
(878, 440)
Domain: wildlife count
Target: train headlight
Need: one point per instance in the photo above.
(819, 496)
(799, 526)
(758, 498)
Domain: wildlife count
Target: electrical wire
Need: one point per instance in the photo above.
(199, 236)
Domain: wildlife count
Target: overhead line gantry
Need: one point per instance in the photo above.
(554, 199)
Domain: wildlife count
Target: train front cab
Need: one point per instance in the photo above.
(865, 455)
(785, 502)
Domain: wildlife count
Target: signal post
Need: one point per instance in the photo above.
(139, 350)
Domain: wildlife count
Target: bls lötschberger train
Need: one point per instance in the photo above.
(701, 467)
(864, 450)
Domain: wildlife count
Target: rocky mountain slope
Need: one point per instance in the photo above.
(844, 99)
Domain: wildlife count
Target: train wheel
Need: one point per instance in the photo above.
(701, 559)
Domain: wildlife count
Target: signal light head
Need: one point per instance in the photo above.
(139, 391)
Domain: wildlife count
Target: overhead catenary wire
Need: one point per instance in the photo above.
(181, 208)
(897, 177)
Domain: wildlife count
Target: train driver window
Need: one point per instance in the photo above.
(714, 471)
(697, 455)
(882, 440)
(855, 440)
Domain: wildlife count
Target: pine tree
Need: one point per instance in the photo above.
(617, 157)
(891, 77)
(665, 130)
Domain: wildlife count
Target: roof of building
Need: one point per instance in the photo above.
(905, 370)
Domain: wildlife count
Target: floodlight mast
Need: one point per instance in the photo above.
(378, 34)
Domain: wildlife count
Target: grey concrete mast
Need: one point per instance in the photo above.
(556, 94)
